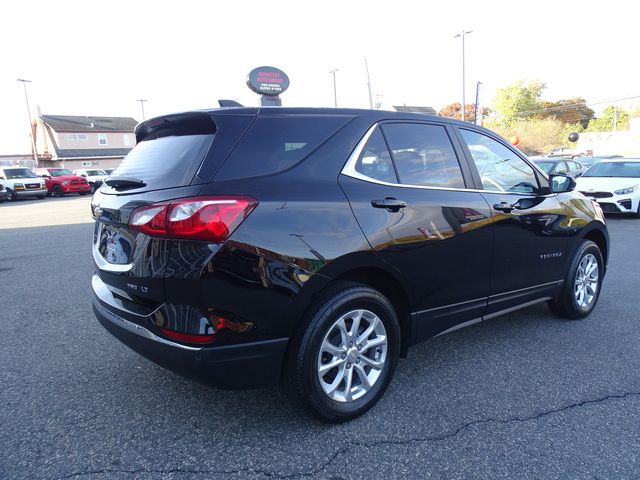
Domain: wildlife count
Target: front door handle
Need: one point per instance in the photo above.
(503, 207)
(391, 204)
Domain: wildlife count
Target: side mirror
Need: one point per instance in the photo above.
(45, 176)
(561, 183)
(83, 175)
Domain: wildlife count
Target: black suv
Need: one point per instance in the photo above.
(311, 247)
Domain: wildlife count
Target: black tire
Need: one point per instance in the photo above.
(11, 196)
(300, 376)
(57, 191)
(92, 189)
(40, 197)
(566, 305)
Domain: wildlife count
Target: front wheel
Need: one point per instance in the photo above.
(343, 358)
(11, 195)
(582, 283)
(57, 191)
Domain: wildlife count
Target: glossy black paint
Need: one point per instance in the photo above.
(446, 258)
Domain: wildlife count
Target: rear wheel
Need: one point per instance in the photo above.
(342, 361)
(57, 191)
(582, 283)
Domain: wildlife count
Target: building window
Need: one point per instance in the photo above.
(72, 136)
(127, 140)
(102, 139)
(82, 136)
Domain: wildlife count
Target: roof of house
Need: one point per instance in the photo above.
(68, 123)
(410, 109)
(92, 152)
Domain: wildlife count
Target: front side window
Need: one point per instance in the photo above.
(499, 167)
(561, 167)
(423, 155)
(374, 160)
(102, 139)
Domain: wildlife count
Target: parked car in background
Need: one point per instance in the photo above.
(61, 180)
(3, 192)
(95, 177)
(614, 184)
(564, 166)
(312, 247)
(22, 182)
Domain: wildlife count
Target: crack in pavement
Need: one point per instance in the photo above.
(348, 445)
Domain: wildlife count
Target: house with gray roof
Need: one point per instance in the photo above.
(76, 142)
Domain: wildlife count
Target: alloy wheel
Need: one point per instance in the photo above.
(585, 286)
(352, 355)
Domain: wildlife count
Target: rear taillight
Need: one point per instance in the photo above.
(188, 337)
(209, 218)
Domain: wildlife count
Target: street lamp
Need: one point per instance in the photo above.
(34, 152)
(462, 35)
(335, 94)
(142, 106)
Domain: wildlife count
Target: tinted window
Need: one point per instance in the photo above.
(169, 161)
(614, 169)
(423, 155)
(275, 143)
(12, 173)
(499, 167)
(375, 161)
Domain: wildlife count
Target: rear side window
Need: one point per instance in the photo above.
(423, 155)
(374, 160)
(275, 143)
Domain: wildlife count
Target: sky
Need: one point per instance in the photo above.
(98, 57)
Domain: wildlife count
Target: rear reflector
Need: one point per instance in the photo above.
(210, 218)
(187, 337)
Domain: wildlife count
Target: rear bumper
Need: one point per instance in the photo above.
(248, 365)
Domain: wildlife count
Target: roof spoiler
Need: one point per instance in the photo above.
(229, 103)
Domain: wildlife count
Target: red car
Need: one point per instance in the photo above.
(60, 181)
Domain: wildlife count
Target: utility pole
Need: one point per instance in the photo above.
(379, 100)
(475, 117)
(462, 35)
(142, 106)
(366, 64)
(335, 92)
(34, 152)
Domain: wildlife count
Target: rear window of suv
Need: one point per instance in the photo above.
(275, 143)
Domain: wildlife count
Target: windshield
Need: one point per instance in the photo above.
(19, 173)
(545, 166)
(91, 173)
(614, 169)
(58, 172)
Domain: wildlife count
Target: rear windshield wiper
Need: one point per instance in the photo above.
(124, 182)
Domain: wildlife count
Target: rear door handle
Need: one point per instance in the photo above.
(503, 207)
(391, 204)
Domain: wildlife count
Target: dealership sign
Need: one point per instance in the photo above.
(268, 81)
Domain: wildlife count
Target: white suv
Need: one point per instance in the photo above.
(22, 182)
(95, 176)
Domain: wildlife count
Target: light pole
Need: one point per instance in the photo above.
(34, 152)
(335, 92)
(462, 35)
(142, 106)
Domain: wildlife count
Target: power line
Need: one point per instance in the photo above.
(580, 104)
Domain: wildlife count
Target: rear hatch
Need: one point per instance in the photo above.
(174, 156)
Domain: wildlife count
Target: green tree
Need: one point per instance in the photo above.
(571, 111)
(605, 122)
(518, 100)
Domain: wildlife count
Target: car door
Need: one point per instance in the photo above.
(406, 184)
(530, 242)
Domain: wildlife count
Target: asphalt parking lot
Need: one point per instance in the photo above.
(526, 395)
